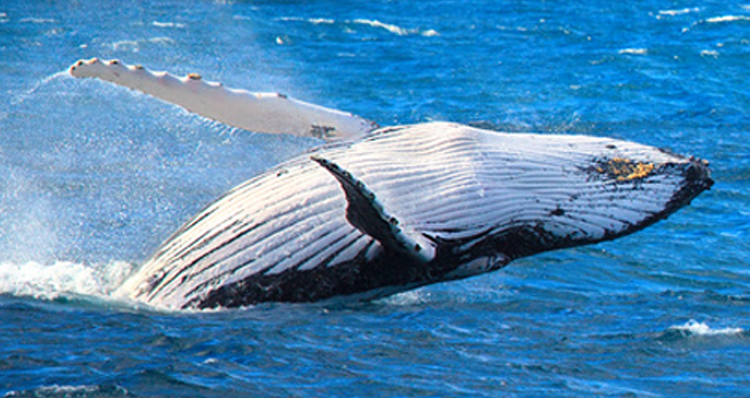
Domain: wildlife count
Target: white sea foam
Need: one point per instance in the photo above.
(159, 24)
(682, 11)
(394, 28)
(374, 23)
(135, 45)
(634, 51)
(38, 20)
(719, 20)
(694, 327)
(314, 21)
(377, 24)
(72, 391)
(408, 298)
(319, 21)
(728, 18)
(63, 74)
(62, 278)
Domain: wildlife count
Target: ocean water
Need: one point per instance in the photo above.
(93, 177)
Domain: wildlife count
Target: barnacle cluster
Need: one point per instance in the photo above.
(623, 169)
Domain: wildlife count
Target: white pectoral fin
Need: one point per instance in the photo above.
(366, 213)
(260, 112)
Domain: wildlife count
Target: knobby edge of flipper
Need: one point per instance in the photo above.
(273, 113)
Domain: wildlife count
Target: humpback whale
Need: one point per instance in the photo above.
(377, 211)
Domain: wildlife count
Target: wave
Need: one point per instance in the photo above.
(728, 18)
(73, 391)
(682, 11)
(373, 23)
(709, 53)
(62, 279)
(135, 45)
(634, 51)
(395, 29)
(314, 21)
(38, 20)
(695, 328)
(723, 19)
(408, 298)
(159, 24)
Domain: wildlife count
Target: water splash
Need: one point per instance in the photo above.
(695, 328)
(62, 279)
(62, 75)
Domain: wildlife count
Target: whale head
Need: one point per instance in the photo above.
(534, 193)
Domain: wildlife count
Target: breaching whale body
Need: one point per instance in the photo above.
(391, 209)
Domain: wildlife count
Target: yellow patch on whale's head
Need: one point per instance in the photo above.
(624, 169)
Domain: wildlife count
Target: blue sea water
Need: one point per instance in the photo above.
(93, 177)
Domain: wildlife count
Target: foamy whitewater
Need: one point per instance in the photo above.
(693, 327)
(94, 177)
(62, 279)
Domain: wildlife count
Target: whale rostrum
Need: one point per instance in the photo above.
(383, 210)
